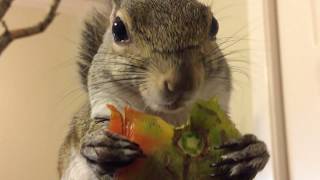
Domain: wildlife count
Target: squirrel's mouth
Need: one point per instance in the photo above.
(170, 105)
(173, 106)
(167, 107)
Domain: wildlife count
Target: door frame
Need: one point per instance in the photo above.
(276, 100)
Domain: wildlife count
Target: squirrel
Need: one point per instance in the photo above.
(157, 57)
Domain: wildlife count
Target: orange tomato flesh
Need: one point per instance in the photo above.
(116, 121)
(150, 132)
(131, 126)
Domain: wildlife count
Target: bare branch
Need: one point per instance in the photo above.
(9, 35)
(4, 6)
(4, 24)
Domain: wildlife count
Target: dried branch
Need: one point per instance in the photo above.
(4, 6)
(9, 35)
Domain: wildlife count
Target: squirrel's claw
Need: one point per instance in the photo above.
(105, 152)
(246, 157)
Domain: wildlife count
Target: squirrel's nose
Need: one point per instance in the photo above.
(176, 87)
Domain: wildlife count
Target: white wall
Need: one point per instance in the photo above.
(37, 79)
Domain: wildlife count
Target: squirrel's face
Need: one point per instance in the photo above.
(161, 50)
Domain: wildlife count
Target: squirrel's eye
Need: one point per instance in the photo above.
(119, 30)
(214, 28)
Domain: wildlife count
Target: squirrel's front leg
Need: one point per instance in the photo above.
(245, 158)
(105, 152)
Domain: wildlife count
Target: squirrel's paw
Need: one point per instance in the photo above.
(245, 158)
(106, 152)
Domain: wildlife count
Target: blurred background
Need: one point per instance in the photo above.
(40, 89)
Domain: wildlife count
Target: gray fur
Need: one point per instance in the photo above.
(169, 46)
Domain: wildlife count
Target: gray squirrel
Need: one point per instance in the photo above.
(157, 57)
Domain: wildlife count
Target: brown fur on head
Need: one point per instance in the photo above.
(168, 25)
(167, 60)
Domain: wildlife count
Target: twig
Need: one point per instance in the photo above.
(9, 35)
(4, 6)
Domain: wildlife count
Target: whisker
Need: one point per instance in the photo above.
(116, 80)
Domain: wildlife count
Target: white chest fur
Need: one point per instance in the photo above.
(78, 169)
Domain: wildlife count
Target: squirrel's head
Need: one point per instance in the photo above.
(161, 50)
